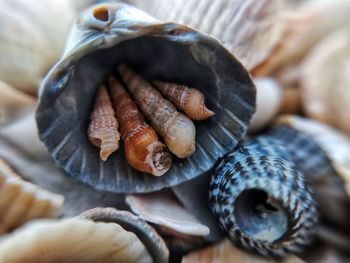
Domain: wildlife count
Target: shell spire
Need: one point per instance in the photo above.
(189, 100)
(103, 128)
(143, 150)
(177, 130)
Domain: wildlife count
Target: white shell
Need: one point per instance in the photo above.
(268, 102)
(14, 104)
(32, 38)
(249, 29)
(72, 240)
(22, 201)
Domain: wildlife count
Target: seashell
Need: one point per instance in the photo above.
(225, 252)
(325, 80)
(318, 170)
(94, 49)
(262, 201)
(249, 30)
(177, 130)
(13, 104)
(311, 18)
(164, 210)
(72, 240)
(189, 100)
(103, 128)
(335, 143)
(268, 102)
(21, 201)
(148, 236)
(31, 39)
(143, 150)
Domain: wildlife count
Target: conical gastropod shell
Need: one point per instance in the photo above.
(111, 34)
(177, 130)
(21, 201)
(72, 240)
(262, 201)
(189, 100)
(103, 128)
(143, 150)
(148, 236)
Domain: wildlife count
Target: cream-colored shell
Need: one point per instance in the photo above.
(32, 37)
(250, 29)
(72, 240)
(14, 104)
(326, 81)
(163, 210)
(22, 201)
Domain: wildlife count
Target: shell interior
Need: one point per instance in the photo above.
(188, 58)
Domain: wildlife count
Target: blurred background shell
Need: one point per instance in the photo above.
(72, 240)
(94, 49)
(249, 29)
(32, 37)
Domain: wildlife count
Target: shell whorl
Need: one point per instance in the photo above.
(189, 100)
(143, 150)
(177, 130)
(262, 201)
(103, 128)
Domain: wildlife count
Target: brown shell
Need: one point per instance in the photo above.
(189, 100)
(22, 201)
(103, 128)
(177, 130)
(143, 150)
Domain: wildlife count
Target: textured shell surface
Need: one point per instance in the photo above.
(262, 201)
(31, 39)
(107, 35)
(72, 240)
(22, 201)
(149, 237)
(249, 29)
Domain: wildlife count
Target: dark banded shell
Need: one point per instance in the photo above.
(262, 201)
(113, 33)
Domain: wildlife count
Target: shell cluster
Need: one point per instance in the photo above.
(143, 149)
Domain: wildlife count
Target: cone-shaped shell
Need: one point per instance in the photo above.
(149, 237)
(22, 201)
(107, 35)
(262, 201)
(72, 240)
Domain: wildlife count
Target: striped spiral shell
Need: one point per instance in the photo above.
(261, 201)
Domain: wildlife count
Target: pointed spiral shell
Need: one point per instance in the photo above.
(143, 150)
(262, 201)
(177, 130)
(103, 128)
(189, 100)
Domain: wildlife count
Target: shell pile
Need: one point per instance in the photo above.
(143, 149)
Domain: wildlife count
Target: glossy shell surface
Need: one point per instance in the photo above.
(109, 34)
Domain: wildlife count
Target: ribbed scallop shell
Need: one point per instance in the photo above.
(262, 201)
(72, 241)
(21, 201)
(95, 48)
(148, 236)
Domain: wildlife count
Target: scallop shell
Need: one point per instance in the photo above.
(250, 30)
(149, 237)
(163, 210)
(21, 201)
(262, 201)
(31, 39)
(326, 80)
(72, 240)
(96, 46)
(13, 104)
